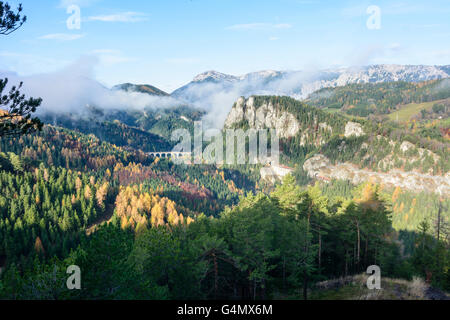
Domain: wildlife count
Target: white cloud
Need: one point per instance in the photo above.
(394, 9)
(62, 36)
(81, 3)
(259, 26)
(273, 38)
(395, 46)
(404, 8)
(73, 87)
(218, 98)
(25, 63)
(120, 17)
(109, 60)
(109, 57)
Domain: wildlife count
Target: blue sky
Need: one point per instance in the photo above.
(166, 43)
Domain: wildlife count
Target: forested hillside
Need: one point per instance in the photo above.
(207, 231)
(267, 246)
(57, 183)
(97, 202)
(375, 145)
(379, 98)
(148, 129)
(142, 88)
(183, 229)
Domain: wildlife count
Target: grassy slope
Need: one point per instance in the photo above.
(407, 111)
(378, 98)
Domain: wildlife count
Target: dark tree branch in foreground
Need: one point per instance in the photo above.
(9, 20)
(16, 110)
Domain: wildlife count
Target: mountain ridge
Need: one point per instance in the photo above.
(299, 84)
(331, 146)
(142, 88)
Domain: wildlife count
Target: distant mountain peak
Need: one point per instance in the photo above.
(260, 75)
(214, 76)
(300, 84)
(142, 88)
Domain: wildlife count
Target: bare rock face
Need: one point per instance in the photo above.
(406, 145)
(267, 174)
(325, 126)
(236, 113)
(265, 116)
(353, 129)
(313, 165)
(320, 167)
(274, 173)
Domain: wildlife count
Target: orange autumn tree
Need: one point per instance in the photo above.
(38, 246)
(101, 194)
(138, 209)
(396, 194)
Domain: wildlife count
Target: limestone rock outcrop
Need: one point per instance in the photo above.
(320, 167)
(262, 117)
(353, 129)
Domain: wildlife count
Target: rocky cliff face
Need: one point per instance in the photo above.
(353, 129)
(274, 173)
(265, 116)
(286, 124)
(392, 163)
(319, 167)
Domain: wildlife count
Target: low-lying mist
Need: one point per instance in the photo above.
(73, 89)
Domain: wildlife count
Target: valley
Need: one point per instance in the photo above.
(226, 156)
(366, 182)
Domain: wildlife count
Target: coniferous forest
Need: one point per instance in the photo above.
(89, 185)
(193, 232)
